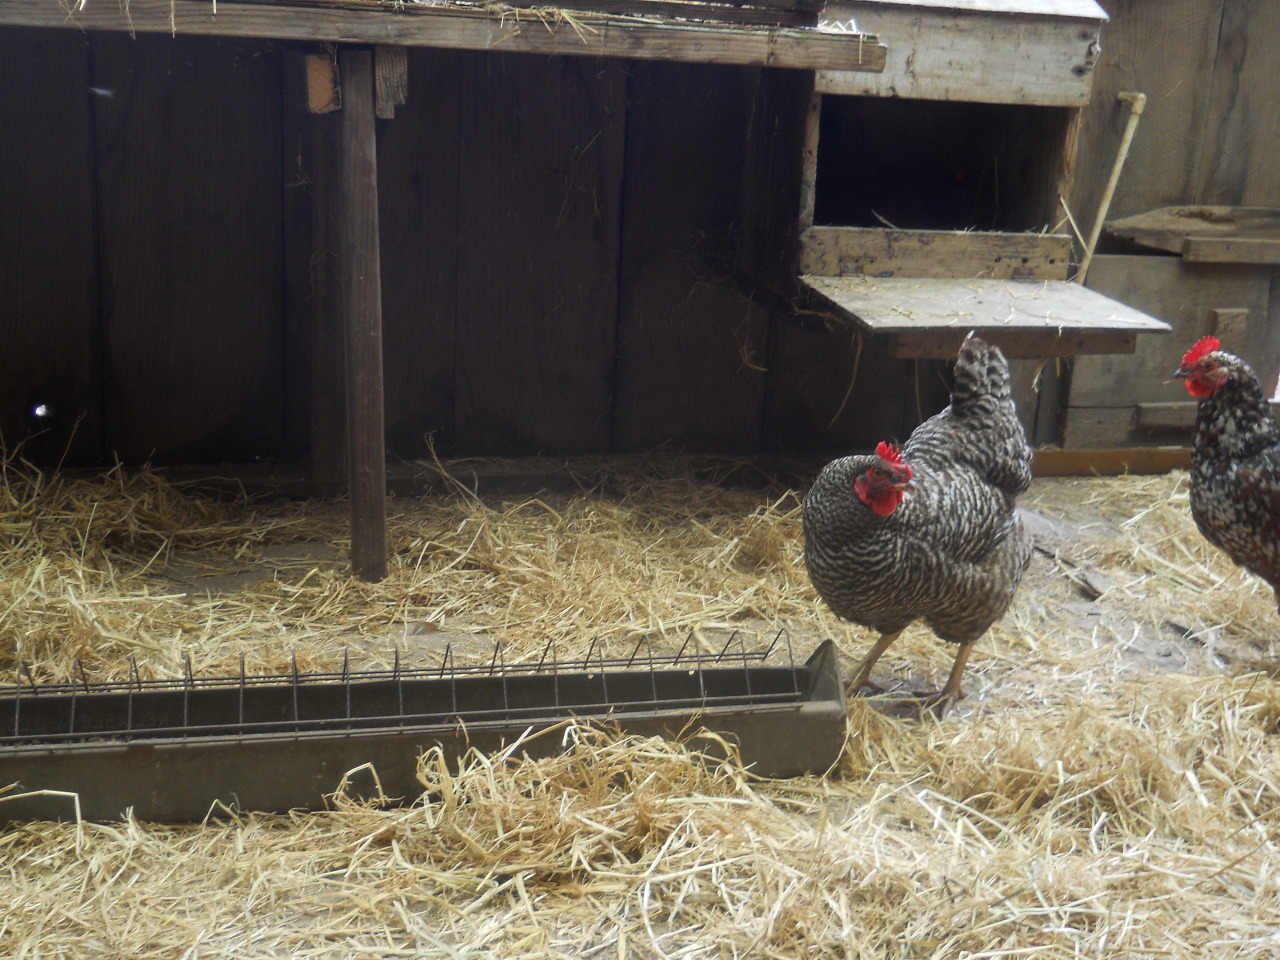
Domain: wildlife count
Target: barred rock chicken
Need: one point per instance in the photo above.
(1235, 463)
(929, 533)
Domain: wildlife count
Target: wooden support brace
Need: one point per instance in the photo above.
(362, 316)
(390, 79)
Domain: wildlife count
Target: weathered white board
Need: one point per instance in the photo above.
(929, 317)
(985, 52)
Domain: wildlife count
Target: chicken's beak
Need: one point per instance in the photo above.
(1180, 374)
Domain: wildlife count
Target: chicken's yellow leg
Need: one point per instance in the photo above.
(863, 677)
(951, 692)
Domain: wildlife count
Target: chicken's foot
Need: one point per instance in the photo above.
(939, 700)
(862, 680)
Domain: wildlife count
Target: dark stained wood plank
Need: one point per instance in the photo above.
(691, 346)
(191, 248)
(767, 232)
(48, 323)
(418, 207)
(301, 262)
(535, 32)
(537, 253)
(362, 315)
(827, 390)
(325, 371)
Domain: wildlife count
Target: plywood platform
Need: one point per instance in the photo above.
(930, 317)
(1207, 234)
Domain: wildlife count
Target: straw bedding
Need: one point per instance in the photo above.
(1109, 789)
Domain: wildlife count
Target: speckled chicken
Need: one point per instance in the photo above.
(1235, 462)
(929, 533)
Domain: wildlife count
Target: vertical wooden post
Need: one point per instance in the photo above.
(362, 317)
(809, 161)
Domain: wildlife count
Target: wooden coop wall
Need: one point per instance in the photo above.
(579, 256)
(1209, 135)
(560, 241)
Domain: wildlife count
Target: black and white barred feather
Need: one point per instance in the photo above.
(954, 551)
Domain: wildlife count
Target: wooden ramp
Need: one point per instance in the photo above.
(928, 317)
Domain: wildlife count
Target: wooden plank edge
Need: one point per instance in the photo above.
(1016, 344)
(946, 254)
(1055, 462)
(1229, 249)
(429, 27)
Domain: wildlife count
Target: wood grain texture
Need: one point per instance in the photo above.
(1170, 228)
(362, 315)
(1105, 392)
(419, 206)
(391, 79)
(1238, 161)
(767, 232)
(1181, 294)
(1165, 49)
(690, 344)
(1047, 8)
(846, 251)
(979, 56)
(929, 317)
(48, 310)
(537, 253)
(191, 246)
(532, 32)
(1232, 250)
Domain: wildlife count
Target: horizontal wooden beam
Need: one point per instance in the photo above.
(1176, 415)
(1017, 344)
(1265, 250)
(1110, 462)
(470, 28)
(874, 252)
(1042, 56)
(1209, 234)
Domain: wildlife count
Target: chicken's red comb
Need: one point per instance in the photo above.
(889, 453)
(1203, 345)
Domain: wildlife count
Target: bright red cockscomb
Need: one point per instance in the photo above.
(1203, 346)
(889, 453)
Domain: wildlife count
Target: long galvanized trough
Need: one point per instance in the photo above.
(179, 750)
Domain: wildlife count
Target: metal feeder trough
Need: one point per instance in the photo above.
(174, 750)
